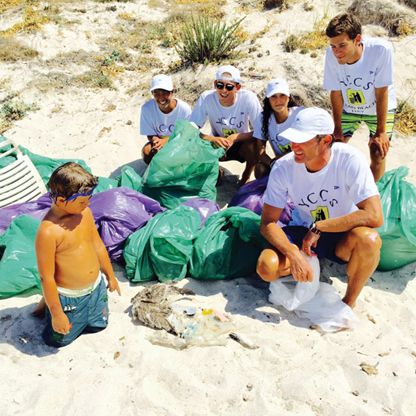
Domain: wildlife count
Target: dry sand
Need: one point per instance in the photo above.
(295, 370)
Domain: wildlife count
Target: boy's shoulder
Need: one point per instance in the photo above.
(377, 43)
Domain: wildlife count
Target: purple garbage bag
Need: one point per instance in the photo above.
(119, 212)
(250, 196)
(205, 207)
(36, 209)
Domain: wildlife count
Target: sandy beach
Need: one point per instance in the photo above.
(292, 370)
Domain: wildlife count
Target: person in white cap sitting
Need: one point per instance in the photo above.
(279, 112)
(230, 110)
(159, 115)
(338, 203)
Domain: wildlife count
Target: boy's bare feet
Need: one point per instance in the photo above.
(39, 311)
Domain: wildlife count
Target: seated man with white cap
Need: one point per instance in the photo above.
(159, 115)
(230, 111)
(337, 200)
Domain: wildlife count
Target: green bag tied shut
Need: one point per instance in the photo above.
(228, 246)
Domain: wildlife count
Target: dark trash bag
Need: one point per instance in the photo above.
(162, 249)
(250, 196)
(186, 167)
(118, 213)
(18, 268)
(228, 246)
(398, 233)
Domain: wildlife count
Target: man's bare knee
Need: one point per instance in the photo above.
(366, 240)
(268, 265)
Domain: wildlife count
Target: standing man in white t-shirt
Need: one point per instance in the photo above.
(336, 198)
(231, 112)
(159, 115)
(359, 75)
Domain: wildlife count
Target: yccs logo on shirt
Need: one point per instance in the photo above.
(285, 148)
(228, 132)
(355, 97)
(320, 213)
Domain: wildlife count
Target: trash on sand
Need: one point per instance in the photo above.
(168, 307)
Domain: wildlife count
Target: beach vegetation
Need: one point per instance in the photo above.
(409, 3)
(207, 8)
(13, 109)
(398, 20)
(405, 120)
(12, 51)
(32, 20)
(275, 4)
(205, 40)
(314, 40)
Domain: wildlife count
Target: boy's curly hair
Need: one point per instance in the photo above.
(69, 179)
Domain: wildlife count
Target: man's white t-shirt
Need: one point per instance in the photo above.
(357, 81)
(332, 192)
(279, 144)
(154, 122)
(225, 121)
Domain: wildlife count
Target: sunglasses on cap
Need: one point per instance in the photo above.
(75, 196)
(220, 86)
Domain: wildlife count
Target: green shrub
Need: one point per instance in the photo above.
(206, 40)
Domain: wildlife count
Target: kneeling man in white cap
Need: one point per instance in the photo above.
(337, 203)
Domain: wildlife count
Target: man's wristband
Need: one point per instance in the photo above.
(314, 229)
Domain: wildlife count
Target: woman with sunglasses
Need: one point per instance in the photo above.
(231, 111)
(278, 114)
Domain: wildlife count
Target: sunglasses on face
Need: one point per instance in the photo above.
(221, 86)
(75, 196)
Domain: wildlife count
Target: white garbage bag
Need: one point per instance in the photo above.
(316, 301)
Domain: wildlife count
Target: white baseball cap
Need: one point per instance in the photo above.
(277, 86)
(232, 70)
(162, 82)
(308, 123)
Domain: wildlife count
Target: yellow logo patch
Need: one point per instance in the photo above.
(320, 213)
(355, 97)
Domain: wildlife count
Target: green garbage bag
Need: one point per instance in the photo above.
(130, 179)
(162, 249)
(18, 268)
(228, 246)
(186, 167)
(398, 233)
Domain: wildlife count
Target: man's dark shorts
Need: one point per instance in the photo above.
(326, 246)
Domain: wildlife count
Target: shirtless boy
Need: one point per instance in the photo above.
(71, 256)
